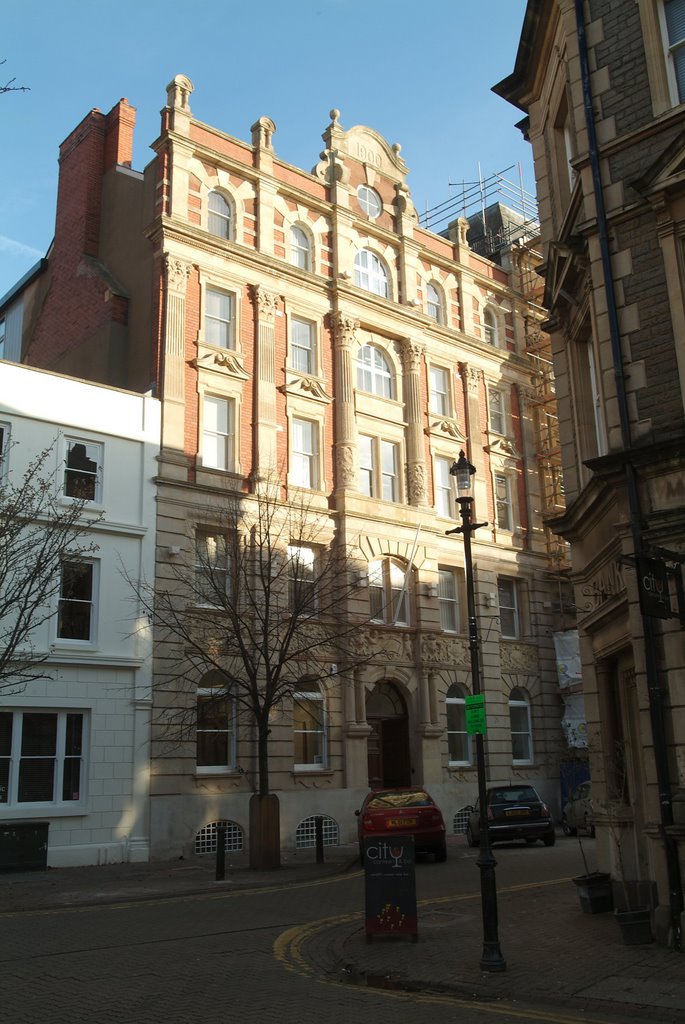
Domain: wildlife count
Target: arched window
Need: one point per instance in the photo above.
(458, 740)
(220, 215)
(373, 372)
(521, 731)
(370, 273)
(300, 248)
(216, 725)
(434, 303)
(389, 592)
(309, 727)
(489, 327)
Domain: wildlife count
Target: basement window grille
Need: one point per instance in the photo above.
(205, 840)
(461, 820)
(305, 834)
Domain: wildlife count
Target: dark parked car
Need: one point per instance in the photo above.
(577, 811)
(513, 812)
(411, 811)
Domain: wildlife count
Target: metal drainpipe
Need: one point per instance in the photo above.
(656, 704)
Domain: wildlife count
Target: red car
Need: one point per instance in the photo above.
(411, 811)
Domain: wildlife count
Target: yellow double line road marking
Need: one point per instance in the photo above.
(288, 952)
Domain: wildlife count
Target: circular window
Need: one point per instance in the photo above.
(369, 201)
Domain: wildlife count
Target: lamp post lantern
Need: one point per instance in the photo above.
(491, 959)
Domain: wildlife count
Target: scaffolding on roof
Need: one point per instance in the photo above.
(473, 202)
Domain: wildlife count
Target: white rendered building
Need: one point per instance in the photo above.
(75, 746)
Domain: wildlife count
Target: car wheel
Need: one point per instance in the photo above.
(567, 830)
(441, 853)
(470, 837)
(590, 828)
(549, 840)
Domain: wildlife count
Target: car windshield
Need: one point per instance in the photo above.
(513, 795)
(413, 798)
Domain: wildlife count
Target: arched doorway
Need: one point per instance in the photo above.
(388, 743)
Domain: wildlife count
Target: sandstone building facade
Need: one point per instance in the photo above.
(602, 86)
(304, 324)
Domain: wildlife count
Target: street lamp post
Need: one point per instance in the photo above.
(491, 959)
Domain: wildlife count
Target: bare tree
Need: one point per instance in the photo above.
(39, 532)
(9, 86)
(260, 601)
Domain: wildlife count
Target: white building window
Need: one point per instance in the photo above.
(490, 327)
(42, 757)
(370, 201)
(300, 248)
(374, 374)
(507, 592)
(212, 569)
(435, 306)
(76, 610)
(216, 726)
(219, 318)
(218, 432)
(520, 724)
(440, 391)
(379, 468)
(674, 16)
(309, 728)
(458, 740)
(389, 592)
(496, 411)
(302, 573)
(302, 345)
(445, 496)
(220, 215)
(304, 454)
(83, 470)
(503, 501)
(371, 274)
(448, 597)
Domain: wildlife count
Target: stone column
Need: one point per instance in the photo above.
(474, 396)
(265, 384)
(176, 272)
(412, 352)
(346, 464)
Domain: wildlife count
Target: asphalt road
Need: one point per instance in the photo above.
(247, 956)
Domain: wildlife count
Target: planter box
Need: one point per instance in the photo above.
(594, 892)
(636, 926)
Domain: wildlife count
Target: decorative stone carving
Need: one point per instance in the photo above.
(412, 352)
(505, 447)
(228, 361)
(473, 377)
(438, 649)
(177, 273)
(416, 479)
(448, 428)
(518, 657)
(266, 303)
(345, 328)
(306, 386)
(346, 465)
(178, 93)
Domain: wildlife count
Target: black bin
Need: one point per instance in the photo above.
(24, 846)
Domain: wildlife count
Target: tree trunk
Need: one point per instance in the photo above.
(265, 820)
(265, 832)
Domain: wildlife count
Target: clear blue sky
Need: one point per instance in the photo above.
(417, 71)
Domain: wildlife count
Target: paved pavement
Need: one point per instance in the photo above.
(556, 955)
